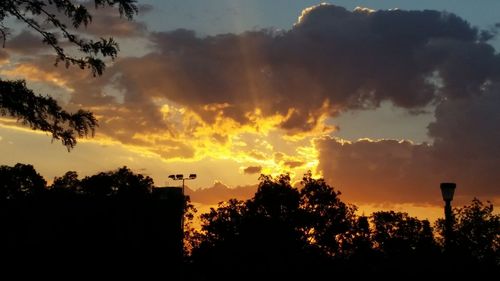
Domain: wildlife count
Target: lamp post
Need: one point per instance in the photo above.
(181, 177)
(447, 191)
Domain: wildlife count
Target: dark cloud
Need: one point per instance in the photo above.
(466, 134)
(26, 43)
(106, 21)
(381, 171)
(332, 60)
(252, 170)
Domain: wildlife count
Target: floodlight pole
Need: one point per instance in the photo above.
(181, 177)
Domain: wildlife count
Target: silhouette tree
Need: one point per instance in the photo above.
(41, 112)
(80, 230)
(398, 234)
(255, 237)
(68, 185)
(328, 219)
(222, 224)
(122, 183)
(359, 247)
(20, 181)
(275, 200)
(281, 230)
(476, 234)
(406, 243)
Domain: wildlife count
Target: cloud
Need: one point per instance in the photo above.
(220, 192)
(25, 43)
(106, 21)
(195, 97)
(465, 151)
(293, 164)
(4, 56)
(252, 170)
(35, 74)
(466, 134)
(332, 60)
(378, 171)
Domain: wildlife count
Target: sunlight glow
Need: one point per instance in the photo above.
(33, 73)
(307, 10)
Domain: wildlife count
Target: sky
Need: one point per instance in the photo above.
(384, 99)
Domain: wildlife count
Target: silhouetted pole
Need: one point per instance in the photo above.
(448, 190)
(181, 177)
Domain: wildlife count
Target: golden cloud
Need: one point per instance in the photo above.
(33, 73)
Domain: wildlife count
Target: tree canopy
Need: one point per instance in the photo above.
(306, 231)
(120, 183)
(20, 181)
(23, 181)
(475, 237)
(48, 18)
(281, 230)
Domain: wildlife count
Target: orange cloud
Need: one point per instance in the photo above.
(220, 192)
(33, 73)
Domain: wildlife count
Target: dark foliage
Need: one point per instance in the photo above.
(20, 181)
(39, 16)
(403, 242)
(71, 227)
(281, 231)
(42, 112)
(286, 232)
(120, 183)
(475, 236)
(309, 233)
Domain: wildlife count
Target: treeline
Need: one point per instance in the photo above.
(23, 181)
(110, 222)
(306, 232)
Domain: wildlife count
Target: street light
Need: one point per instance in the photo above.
(181, 177)
(447, 191)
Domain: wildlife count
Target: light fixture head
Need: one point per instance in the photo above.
(192, 176)
(448, 190)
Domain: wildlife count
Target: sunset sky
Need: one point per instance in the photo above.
(384, 99)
